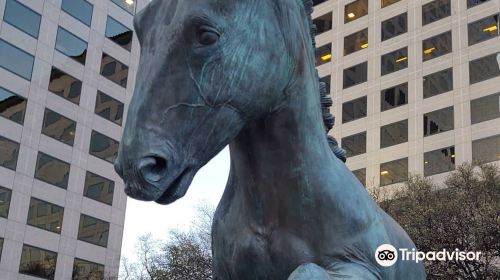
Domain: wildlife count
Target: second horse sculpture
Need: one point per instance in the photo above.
(242, 72)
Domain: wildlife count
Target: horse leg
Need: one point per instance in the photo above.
(312, 271)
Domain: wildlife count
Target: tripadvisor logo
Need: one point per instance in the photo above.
(387, 255)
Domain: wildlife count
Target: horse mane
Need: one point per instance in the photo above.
(325, 100)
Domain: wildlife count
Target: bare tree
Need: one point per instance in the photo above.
(463, 214)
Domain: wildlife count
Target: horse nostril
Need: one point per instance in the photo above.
(153, 168)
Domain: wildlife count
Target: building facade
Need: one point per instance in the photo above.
(416, 84)
(67, 71)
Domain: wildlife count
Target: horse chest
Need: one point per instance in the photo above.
(254, 255)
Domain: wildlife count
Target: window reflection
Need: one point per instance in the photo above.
(355, 144)
(85, 270)
(361, 175)
(394, 97)
(109, 108)
(71, 45)
(52, 170)
(114, 70)
(127, 5)
(99, 188)
(5, 196)
(59, 127)
(438, 83)
(103, 147)
(386, 3)
(438, 121)
(394, 61)
(484, 29)
(394, 134)
(437, 46)
(484, 68)
(12, 106)
(323, 54)
(394, 26)
(473, 3)
(486, 150)
(45, 215)
(93, 230)
(79, 9)
(394, 172)
(22, 17)
(38, 262)
(16, 60)
(435, 11)
(118, 33)
(485, 108)
(9, 151)
(356, 41)
(323, 23)
(355, 75)
(354, 109)
(355, 10)
(65, 85)
(439, 161)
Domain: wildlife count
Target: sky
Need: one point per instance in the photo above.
(148, 217)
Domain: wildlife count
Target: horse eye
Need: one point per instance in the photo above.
(207, 36)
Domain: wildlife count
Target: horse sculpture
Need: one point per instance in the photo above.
(242, 72)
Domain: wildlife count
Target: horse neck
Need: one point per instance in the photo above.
(282, 160)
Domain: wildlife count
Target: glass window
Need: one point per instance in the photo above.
(484, 68)
(93, 230)
(355, 75)
(323, 23)
(394, 26)
(356, 41)
(9, 151)
(45, 215)
(12, 106)
(435, 11)
(354, 109)
(437, 46)
(439, 161)
(1, 247)
(473, 3)
(79, 9)
(394, 61)
(393, 134)
(5, 195)
(38, 262)
(394, 172)
(394, 97)
(109, 108)
(59, 127)
(355, 144)
(71, 45)
(317, 2)
(127, 5)
(103, 147)
(114, 70)
(52, 170)
(485, 108)
(22, 17)
(119, 33)
(327, 81)
(15, 60)
(361, 175)
(355, 10)
(85, 270)
(323, 54)
(484, 29)
(486, 149)
(65, 85)
(386, 3)
(438, 83)
(438, 121)
(99, 188)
